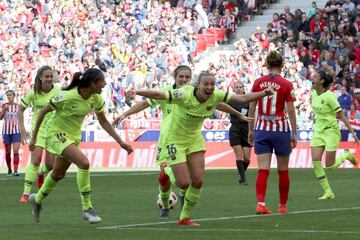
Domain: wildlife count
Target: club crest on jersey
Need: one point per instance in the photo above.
(177, 93)
(59, 97)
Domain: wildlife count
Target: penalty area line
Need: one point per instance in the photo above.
(127, 226)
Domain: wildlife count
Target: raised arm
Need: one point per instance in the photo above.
(20, 116)
(340, 115)
(138, 107)
(228, 109)
(105, 124)
(48, 108)
(251, 96)
(153, 94)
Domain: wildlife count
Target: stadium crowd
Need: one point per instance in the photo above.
(139, 43)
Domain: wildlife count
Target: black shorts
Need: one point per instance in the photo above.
(239, 136)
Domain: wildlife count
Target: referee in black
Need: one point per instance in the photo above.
(238, 135)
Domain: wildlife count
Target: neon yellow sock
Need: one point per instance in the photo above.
(339, 160)
(168, 171)
(191, 198)
(43, 169)
(30, 176)
(83, 182)
(165, 197)
(321, 176)
(47, 187)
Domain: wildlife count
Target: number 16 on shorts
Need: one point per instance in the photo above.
(171, 149)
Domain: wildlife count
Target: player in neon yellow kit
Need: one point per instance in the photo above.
(185, 146)
(326, 135)
(64, 135)
(182, 76)
(38, 97)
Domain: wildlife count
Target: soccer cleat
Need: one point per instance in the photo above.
(9, 174)
(187, 221)
(262, 209)
(36, 208)
(164, 213)
(327, 196)
(282, 209)
(243, 182)
(91, 216)
(16, 174)
(349, 156)
(40, 180)
(24, 198)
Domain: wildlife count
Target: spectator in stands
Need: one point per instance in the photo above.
(345, 100)
(228, 22)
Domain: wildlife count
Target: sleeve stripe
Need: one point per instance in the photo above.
(24, 103)
(52, 104)
(170, 96)
(151, 101)
(226, 95)
(337, 109)
(100, 108)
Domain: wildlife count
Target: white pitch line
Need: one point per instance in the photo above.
(227, 218)
(242, 230)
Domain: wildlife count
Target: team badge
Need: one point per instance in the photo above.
(177, 93)
(59, 97)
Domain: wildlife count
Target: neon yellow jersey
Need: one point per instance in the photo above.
(38, 101)
(188, 114)
(71, 110)
(325, 107)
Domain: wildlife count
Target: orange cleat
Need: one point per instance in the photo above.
(40, 180)
(262, 209)
(282, 209)
(24, 198)
(187, 221)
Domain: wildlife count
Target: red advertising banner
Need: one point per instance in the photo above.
(109, 156)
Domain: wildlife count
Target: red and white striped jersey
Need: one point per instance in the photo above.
(271, 109)
(11, 122)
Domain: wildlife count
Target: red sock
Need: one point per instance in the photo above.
(16, 161)
(8, 156)
(261, 184)
(284, 185)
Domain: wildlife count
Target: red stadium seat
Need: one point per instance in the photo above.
(210, 39)
(219, 33)
(200, 44)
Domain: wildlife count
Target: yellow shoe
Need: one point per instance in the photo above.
(349, 156)
(327, 196)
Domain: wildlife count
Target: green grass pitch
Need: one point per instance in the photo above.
(226, 211)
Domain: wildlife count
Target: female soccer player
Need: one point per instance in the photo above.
(326, 135)
(64, 135)
(11, 131)
(185, 147)
(238, 135)
(182, 76)
(272, 131)
(38, 97)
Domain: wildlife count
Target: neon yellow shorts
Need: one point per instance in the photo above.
(176, 153)
(41, 137)
(56, 142)
(329, 138)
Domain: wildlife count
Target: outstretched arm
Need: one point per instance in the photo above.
(340, 115)
(251, 96)
(153, 94)
(105, 124)
(138, 107)
(228, 109)
(48, 108)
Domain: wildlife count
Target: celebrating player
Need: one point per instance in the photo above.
(326, 135)
(38, 97)
(185, 147)
(64, 135)
(272, 131)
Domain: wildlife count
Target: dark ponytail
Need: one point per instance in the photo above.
(327, 77)
(85, 79)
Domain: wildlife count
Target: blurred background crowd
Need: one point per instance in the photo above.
(139, 43)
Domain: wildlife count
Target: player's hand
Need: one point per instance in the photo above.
(130, 93)
(118, 120)
(355, 137)
(32, 144)
(245, 118)
(23, 137)
(127, 147)
(293, 141)
(251, 138)
(269, 91)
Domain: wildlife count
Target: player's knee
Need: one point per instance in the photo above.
(183, 183)
(197, 182)
(85, 165)
(57, 176)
